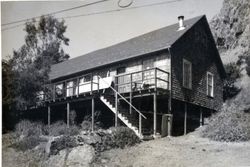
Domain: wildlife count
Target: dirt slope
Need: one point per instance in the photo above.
(189, 150)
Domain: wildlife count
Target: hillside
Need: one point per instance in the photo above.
(231, 30)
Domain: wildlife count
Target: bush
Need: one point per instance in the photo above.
(119, 137)
(9, 139)
(27, 143)
(86, 125)
(248, 65)
(87, 121)
(27, 128)
(229, 88)
(64, 142)
(60, 128)
(123, 136)
(229, 125)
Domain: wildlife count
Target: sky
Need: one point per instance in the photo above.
(93, 32)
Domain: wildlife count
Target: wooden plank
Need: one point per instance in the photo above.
(116, 109)
(68, 108)
(54, 92)
(130, 95)
(77, 86)
(201, 117)
(93, 113)
(48, 115)
(155, 77)
(185, 119)
(155, 113)
(140, 124)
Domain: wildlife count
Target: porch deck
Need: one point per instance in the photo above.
(137, 83)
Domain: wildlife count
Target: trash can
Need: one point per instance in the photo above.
(166, 125)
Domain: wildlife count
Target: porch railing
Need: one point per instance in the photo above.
(116, 93)
(145, 79)
(129, 82)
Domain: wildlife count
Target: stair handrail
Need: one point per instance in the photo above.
(123, 98)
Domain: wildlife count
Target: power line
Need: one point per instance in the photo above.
(103, 12)
(118, 10)
(53, 13)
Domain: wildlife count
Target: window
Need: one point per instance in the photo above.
(120, 70)
(210, 84)
(87, 78)
(187, 74)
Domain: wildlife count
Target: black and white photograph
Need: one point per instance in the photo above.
(125, 83)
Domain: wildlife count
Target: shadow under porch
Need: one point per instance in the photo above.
(187, 117)
(80, 111)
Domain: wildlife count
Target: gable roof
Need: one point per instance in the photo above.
(153, 41)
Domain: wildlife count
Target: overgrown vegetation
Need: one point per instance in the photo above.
(60, 128)
(28, 135)
(119, 137)
(64, 142)
(231, 125)
(229, 88)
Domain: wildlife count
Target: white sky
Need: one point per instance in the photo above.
(90, 33)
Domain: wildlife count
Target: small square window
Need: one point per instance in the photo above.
(187, 74)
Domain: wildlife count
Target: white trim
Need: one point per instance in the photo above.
(183, 73)
(212, 93)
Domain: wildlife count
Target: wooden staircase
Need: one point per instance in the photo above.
(130, 120)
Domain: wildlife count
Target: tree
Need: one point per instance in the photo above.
(31, 64)
(6, 77)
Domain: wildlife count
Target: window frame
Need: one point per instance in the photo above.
(183, 74)
(212, 84)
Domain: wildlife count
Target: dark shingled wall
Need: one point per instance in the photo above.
(202, 53)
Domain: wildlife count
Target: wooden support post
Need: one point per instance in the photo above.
(65, 90)
(130, 94)
(201, 117)
(54, 92)
(49, 116)
(155, 73)
(155, 112)
(68, 108)
(140, 124)
(93, 113)
(116, 109)
(91, 83)
(77, 87)
(130, 101)
(185, 119)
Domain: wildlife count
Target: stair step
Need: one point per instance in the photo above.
(131, 120)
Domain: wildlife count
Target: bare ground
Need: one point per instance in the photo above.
(189, 150)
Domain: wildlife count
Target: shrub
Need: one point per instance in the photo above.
(229, 125)
(123, 136)
(118, 137)
(27, 143)
(28, 128)
(248, 65)
(87, 121)
(229, 87)
(64, 142)
(9, 139)
(60, 128)
(86, 125)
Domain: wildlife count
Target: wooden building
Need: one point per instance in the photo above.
(173, 73)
